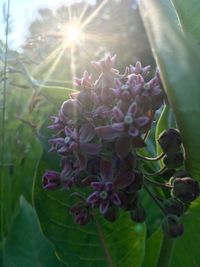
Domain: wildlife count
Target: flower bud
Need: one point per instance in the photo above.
(174, 160)
(136, 184)
(170, 140)
(138, 215)
(71, 109)
(186, 189)
(51, 180)
(172, 226)
(111, 215)
(80, 212)
(173, 206)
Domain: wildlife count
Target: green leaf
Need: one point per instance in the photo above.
(186, 249)
(62, 94)
(188, 12)
(25, 244)
(153, 246)
(179, 64)
(98, 244)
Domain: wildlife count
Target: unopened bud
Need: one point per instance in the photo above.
(138, 215)
(172, 226)
(71, 109)
(173, 206)
(172, 161)
(170, 140)
(111, 215)
(186, 189)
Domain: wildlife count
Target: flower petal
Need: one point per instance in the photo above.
(132, 109)
(91, 149)
(156, 91)
(109, 186)
(87, 181)
(87, 133)
(82, 160)
(123, 180)
(106, 132)
(133, 131)
(123, 146)
(104, 205)
(63, 149)
(114, 198)
(57, 141)
(141, 121)
(118, 126)
(106, 170)
(93, 198)
(118, 114)
(97, 186)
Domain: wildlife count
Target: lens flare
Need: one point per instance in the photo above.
(72, 34)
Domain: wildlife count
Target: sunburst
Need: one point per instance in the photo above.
(73, 33)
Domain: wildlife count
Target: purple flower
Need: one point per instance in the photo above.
(108, 75)
(51, 180)
(59, 122)
(131, 122)
(77, 142)
(85, 82)
(87, 96)
(71, 110)
(106, 64)
(55, 180)
(132, 87)
(80, 212)
(107, 189)
(138, 69)
(67, 174)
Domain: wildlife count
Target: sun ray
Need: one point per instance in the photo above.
(51, 70)
(72, 64)
(94, 14)
(47, 60)
(83, 12)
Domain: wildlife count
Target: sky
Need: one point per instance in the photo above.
(22, 13)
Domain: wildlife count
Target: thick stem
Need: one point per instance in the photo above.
(165, 252)
(165, 186)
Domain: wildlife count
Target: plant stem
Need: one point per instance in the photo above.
(2, 145)
(155, 199)
(152, 159)
(165, 252)
(157, 183)
(157, 173)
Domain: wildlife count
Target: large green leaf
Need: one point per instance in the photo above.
(188, 12)
(179, 64)
(153, 246)
(186, 249)
(25, 244)
(100, 243)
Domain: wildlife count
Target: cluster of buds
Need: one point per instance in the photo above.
(99, 132)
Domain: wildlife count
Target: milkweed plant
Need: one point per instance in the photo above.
(100, 134)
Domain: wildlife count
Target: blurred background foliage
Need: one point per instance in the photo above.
(26, 102)
(35, 79)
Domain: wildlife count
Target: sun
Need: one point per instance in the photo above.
(72, 34)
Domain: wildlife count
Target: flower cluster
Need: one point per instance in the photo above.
(99, 132)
